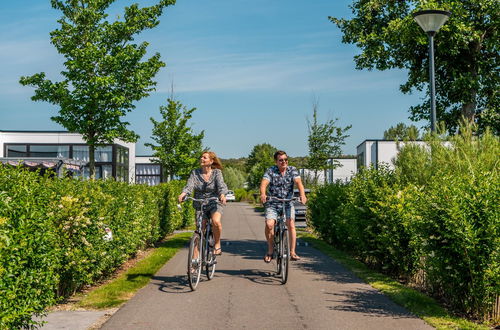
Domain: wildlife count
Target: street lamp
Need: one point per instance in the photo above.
(431, 21)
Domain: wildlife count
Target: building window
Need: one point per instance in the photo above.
(361, 160)
(149, 174)
(81, 153)
(104, 154)
(17, 150)
(49, 151)
(121, 161)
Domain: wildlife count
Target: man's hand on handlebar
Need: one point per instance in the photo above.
(263, 198)
(303, 199)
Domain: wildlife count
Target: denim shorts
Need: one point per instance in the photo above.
(272, 211)
(210, 209)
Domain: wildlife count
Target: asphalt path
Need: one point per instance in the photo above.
(246, 294)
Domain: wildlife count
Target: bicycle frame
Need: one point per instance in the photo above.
(281, 242)
(201, 242)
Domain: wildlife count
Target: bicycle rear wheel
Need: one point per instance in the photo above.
(194, 261)
(210, 258)
(285, 256)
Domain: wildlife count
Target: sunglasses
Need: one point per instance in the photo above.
(283, 160)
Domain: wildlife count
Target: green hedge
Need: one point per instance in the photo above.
(52, 235)
(434, 220)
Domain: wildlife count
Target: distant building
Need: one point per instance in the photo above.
(343, 172)
(377, 152)
(115, 160)
(148, 172)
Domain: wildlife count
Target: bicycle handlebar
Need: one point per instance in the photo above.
(202, 200)
(282, 199)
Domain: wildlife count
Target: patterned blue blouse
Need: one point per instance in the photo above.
(281, 186)
(214, 187)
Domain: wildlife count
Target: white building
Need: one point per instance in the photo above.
(377, 152)
(347, 168)
(114, 160)
(147, 172)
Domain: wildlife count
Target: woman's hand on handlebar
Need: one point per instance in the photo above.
(181, 197)
(222, 198)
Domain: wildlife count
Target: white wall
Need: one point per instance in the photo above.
(381, 152)
(346, 170)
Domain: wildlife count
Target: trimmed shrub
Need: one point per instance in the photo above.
(436, 217)
(52, 235)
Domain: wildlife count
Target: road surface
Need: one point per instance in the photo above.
(245, 294)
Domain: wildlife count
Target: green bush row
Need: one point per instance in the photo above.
(433, 220)
(52, 235)
(242, 194)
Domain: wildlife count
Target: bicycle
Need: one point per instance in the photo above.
(201, 247)
(281, 243)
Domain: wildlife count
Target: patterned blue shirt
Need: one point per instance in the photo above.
(281, 186)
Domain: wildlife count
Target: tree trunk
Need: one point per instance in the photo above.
(469, 110)
(92, 161)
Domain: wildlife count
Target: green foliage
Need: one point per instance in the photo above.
(434, 219)
(260, 158)
(52, 235)
(401, 132)
(29, 261)
(177, 148)
(245, 195)
(326, 215)
(466, 53)
(234, 178)
(104, 73)
(238, 163)
(325, 141)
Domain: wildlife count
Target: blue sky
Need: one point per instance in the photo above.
(253, 70)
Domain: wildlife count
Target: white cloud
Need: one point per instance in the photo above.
(271, 71)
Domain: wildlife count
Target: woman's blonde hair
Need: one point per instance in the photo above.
(216, 161)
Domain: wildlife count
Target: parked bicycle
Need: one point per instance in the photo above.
(201, 247)
(281, 243)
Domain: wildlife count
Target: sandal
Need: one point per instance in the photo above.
(268, 257)
(218, 252)
(294, 257)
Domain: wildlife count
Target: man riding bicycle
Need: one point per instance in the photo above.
(280, 178)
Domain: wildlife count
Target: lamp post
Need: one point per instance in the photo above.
(431, 21)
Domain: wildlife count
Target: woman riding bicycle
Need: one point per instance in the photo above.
(206, 182)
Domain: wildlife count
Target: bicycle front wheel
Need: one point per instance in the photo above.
(285, 256)
(194, 261)
(210, 259)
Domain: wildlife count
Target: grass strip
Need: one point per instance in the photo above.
(414, 301)
(124, 286)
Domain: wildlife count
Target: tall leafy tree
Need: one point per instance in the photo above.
(234, 177)
(467, 53)
(259, 159)
(105, 72)
(177, 148)
(325, 142)
(401, 132)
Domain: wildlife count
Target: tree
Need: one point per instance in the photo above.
(467, 53)
(234, 178)
(177, 148)
(260, 158)
(104, 73)
(325, 141)
(402, 132)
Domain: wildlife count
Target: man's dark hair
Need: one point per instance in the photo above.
(279, 153)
